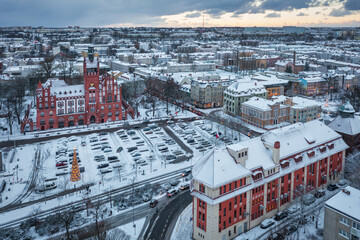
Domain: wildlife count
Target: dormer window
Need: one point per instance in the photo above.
(330, 146)
(298, 158)
(311, 153)
(285, 164)
(322, 149)
(257, 175)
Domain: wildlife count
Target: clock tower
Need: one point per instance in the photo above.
(91, 85)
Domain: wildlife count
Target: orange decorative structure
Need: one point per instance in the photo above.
(75, 170)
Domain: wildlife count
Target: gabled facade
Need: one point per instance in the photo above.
(98, 100)
(235, 188)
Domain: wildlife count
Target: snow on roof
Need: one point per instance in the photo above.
(218, 167)
(349, 126)
(245, 86)
(292, 138)
(261, 103)
(347, 202)
(347, 108)
(304, 102)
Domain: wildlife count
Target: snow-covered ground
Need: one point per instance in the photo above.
(183, 228)
(131, 232)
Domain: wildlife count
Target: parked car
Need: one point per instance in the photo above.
(83, 143)
(171, 193)
(48, 186)
(103, 165)
(332, 187)
(342, 182)
(280, 215)
(184, 186)
(131, 149)
(309, 199)
(267, 223)
(320, 193)
(60, 164)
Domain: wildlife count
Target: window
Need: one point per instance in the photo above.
(52, 105)
(51, 113)
(343, 233)
(356, 225)
(109, 107)
(200, 203)
(235, 201)
(199, 215)
(235, 184)
(60, 104)
(219, 206)
(229, 220)
(230, 206)
(71, 103)
(117, 106)
(42, 114)
(109, 114)
(42, 122)
(51, 121)
(230, 187)
(109, 98)
(224, 212)
(344, 221)
(224, 189)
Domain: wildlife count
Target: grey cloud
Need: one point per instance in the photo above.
(193, 15)
(339, 12)
(352, 5)
(147, 12)
(273, 15)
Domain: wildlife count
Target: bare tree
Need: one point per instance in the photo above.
(18, 98)
(98, 212)
(8, 106)
(47, 66)
(66, 218)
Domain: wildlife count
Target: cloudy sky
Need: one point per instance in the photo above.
(179, 13)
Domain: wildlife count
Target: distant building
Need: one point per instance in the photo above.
(235, 188)
(265, 113)
(207, 91)
(313, 86)
(239, 92)
(342, 215)
(279, 111)
(347, 124)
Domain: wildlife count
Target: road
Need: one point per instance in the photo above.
(162, 223)
(167, 208)
(103, 197)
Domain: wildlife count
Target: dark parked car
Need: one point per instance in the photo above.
(320, 193)
(119, 149)
(131, 149)
(332, 187)
(280, 215)
(103, 165)
(153, 203)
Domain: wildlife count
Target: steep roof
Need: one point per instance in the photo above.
(348, 125)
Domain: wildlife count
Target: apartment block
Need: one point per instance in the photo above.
(236, 187)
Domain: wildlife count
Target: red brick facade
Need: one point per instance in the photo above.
(98, 100)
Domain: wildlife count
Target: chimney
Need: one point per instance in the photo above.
(294, 58)
(276, 152)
